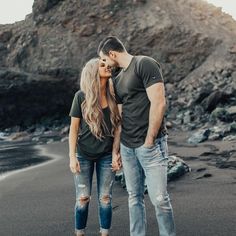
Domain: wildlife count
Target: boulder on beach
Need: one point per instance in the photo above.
(199, 136)
(176, 168)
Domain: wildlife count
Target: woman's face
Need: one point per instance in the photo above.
(104, 71)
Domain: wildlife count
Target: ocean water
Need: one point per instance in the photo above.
(17, 155)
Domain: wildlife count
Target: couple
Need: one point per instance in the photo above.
(114, 119)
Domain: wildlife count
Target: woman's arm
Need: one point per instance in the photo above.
(73, 137)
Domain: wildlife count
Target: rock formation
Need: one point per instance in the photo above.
(42, 56)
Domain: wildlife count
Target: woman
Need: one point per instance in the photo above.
(94, 120)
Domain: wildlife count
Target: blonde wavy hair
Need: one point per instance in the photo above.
(91, 106)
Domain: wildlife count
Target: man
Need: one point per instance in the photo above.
(140, 93)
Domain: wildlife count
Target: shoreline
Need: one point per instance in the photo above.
(178, 147)
(42, 152)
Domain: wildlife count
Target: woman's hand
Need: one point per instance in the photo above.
(74, 164)
(116, 161)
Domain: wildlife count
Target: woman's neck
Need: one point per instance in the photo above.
(103, 98)
(103, 83)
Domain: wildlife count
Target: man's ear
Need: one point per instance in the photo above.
(112, 54)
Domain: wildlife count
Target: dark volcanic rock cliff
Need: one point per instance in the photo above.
(41, 57)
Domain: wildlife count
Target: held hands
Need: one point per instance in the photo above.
(116, 161)
(74, 164)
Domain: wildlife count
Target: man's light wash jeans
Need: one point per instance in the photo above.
(150, 163)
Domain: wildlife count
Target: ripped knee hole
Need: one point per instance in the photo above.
(105, 199)
(84, 200)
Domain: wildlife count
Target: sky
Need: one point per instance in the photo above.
(228, 6)
(16, 10)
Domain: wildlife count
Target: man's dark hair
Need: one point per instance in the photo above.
(110, 43)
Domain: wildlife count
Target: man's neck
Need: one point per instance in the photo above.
(125, 60)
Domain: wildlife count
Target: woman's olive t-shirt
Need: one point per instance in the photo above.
(88, 145)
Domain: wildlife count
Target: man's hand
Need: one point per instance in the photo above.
(149, 142)
(116, 161)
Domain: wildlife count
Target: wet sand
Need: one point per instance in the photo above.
(40, 200)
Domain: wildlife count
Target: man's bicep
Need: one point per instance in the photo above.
(150, 72)
(156, 93)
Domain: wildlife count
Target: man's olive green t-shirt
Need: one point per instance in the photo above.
(88, 145)
(130, 89)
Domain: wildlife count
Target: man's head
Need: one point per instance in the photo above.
(109, 49)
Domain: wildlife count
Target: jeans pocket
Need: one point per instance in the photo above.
(151, 152)
(155, 144)
(148, 148)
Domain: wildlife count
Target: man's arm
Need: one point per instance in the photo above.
(156, 95)
(116, 143)
(116, 163)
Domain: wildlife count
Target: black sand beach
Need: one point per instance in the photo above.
(40, 200)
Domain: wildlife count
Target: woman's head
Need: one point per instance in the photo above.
(90, 83)
(104, 70)
(93, 70)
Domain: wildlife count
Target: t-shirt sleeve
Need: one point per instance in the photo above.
(149, 71)
(117, 97)
(75, 110)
